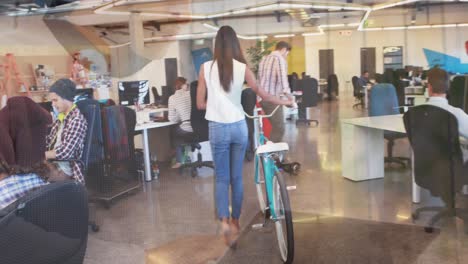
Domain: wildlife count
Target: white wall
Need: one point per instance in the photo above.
(347, 48)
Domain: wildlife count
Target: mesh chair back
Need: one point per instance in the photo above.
(433, 135)
(457, 94)
(197, 117)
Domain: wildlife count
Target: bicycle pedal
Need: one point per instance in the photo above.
(257, 226)
(292, 187)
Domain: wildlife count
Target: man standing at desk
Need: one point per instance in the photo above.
(273, 77)
(66, 138)
(438, 85)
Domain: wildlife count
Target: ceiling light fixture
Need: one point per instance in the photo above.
(284, 36)
(383, 6)
(364, 18)
(119, 45)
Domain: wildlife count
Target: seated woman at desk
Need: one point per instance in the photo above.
(16, 182)
(180, 106)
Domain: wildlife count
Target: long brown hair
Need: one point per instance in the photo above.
(227, 48)
(42, 169)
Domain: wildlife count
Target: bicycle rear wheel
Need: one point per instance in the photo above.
(260, 184)
(283, 221)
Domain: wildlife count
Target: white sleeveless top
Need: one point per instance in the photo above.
(224, 107)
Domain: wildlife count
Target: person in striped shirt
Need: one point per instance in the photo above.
(180, 107)
(273, 77)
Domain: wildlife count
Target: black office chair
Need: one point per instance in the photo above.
(438, 160)
(309, 98)
(200, 133)
(48, 225)
(457, 95)
(358, 92)
(332, 86)
(93, 155)
(120, 168)
(156, 96)
(248, 101)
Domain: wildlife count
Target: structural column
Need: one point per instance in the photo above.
(136, 56)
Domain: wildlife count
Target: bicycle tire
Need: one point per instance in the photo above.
(282, 210)
(260, 186)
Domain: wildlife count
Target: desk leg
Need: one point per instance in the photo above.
(146, 154)
(415, 187)
(366, 98)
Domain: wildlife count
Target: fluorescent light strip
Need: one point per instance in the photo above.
(394, 28)
(419, 27)
(383, 6)
(119, 45)
(238, 35)
(284, 36)
(210, 26)
(364, 18)
(444, 26)
(182, 36)
(372, 29)
(252, 37)
(332, 25)
(312, 34)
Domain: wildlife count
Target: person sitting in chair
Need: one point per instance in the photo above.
(66, 138)
(179, 112)
(364, 79)
(438, 85)
(15, 181)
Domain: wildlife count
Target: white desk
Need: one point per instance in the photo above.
(363, 147)
(146, 153)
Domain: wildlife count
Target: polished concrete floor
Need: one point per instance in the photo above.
(172, 211)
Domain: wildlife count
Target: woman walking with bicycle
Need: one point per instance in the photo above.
(219, 92)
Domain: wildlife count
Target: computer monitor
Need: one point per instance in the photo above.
(167, 91)
(131, 91)
(85, 92)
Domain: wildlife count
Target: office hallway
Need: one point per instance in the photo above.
(176, 211)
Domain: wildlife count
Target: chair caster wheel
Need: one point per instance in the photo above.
(296, 167)
(428, 229)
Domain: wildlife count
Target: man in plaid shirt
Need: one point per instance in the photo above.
(66, 138)
(273, 77)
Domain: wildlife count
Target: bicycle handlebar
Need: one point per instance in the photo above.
(263, 116)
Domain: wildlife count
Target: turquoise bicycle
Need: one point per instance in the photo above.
(272, 191)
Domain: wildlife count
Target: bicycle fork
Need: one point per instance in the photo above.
(269, 169)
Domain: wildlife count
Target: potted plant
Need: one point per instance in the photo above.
(257, 52)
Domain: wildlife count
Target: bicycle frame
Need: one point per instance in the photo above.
(269, 166)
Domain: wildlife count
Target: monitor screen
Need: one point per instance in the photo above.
(129, 92)
(86, 93)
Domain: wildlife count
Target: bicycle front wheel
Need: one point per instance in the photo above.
(283, 221)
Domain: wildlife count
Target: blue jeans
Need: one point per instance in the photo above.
(228, 143)
(180, 154)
